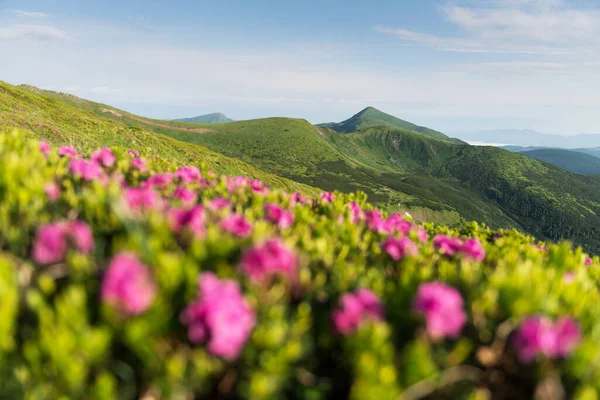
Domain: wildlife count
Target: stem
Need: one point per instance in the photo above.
(448, 377)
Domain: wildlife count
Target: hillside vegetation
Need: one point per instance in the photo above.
(573, 161)
(130, 277)
(52, 117)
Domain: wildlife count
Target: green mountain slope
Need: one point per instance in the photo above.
(544, 200)
(573, 161)
(370, 117)
(55, 120)
(214, 118)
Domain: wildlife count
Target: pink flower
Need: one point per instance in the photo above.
(128, 285)
(236, 225)
(193, 219)
(221, 316)
(355, 310)
(271, 258)
(375, 221)
(279, 216)
(159, 180)
(45, 148)
(104, 157)
(447, 245)
(52, 190)
(65, 151)
(139, 164)
(235, 182)
(355, 212)
(442, 307)
(50, 244)
(188, 174)
(569, 277)
(396, 223)
(588, 261)
(185, 195)
(400, 248)
(259, 187)
(87, 170)
(220, 203)
(133, 153)
(422, 235)
(538, 335)
(327, 197)
(82, 236)
(450, 246)
(473, 248)
(296, 198)
(141, 198)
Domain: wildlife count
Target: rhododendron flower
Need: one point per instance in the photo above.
(569, 277)
(355, 212)
(259, 187)
(140, 198)
(396, 223)
(65, 151)
(375, 221)
(220, 203)
(473, 248)
(104, 157)
(193, 219)
(52, 191)
(237, 181)
(185, 195)
(50, 244)
(296, 198)
(221, 316)
(159, 180)
(82, 235)
(45, 148)
(279, 216)
(188, 174)
(236, 225)
(87, 170)
(128, 285)
(589, 261)
(355, 310)
(447, 245)
(327, 197)
(139, 164)
(442, 307)
(422, 235)
(271, 258)
(400, 248)
(538, 335)
(133, 153)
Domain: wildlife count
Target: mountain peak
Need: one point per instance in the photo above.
(213, 118)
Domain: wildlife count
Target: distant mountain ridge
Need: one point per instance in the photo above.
(370, 117)
(214, 118)
(569, 160)
(528, 137)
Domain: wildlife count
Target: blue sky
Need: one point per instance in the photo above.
(456, 65)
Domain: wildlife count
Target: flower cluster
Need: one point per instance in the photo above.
(51, 241)
(356, 309)
(442, 307)
(450, 246)
(538, 335)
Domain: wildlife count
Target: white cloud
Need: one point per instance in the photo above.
(542, 27)
(30, 14)
(29, 31)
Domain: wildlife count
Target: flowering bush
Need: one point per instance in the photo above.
(123, 276)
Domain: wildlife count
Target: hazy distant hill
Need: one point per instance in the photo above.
(527, 137)
(214, 118)
(370, 117)
(569, 160)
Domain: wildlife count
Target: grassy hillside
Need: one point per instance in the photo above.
(54, 119)
(214, 118)
(544, 200)
(573, 161)
(370, 117)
